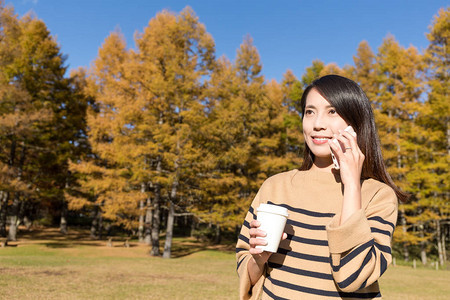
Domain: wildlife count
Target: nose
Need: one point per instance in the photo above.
(319, 122)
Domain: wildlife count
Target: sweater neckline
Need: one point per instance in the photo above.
(320, 176)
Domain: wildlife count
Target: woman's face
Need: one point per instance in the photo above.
(320, 122)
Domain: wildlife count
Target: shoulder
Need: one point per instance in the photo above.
(281, 177)
(374, 191)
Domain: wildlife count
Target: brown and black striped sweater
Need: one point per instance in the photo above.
(319, 259)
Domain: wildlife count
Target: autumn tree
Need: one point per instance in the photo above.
(106, 179)
(37, 131)
(312, 72)
(149, 105)
(318, 69)
(251, 133)
(435, 178)
(400, 87)
(238, 117)
(291, 93)
(177, 56)
(364, 70)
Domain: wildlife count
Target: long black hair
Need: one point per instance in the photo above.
(352, 104)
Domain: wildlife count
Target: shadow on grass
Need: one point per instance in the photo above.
(181, 249)
(53, 238)
(186, 246)
(57, 245)
(10, 245)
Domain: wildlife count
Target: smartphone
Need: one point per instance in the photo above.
(335, 161)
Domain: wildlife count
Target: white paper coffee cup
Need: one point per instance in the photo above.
(273, 220)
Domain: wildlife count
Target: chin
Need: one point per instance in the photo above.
(322, 153)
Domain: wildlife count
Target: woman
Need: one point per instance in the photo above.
(341, 216)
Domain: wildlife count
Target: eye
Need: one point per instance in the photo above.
(308, 112)
(332, 111)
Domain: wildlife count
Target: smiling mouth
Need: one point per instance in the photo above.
(320, 140)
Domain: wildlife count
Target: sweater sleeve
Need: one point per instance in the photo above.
(360, 248)
(246, 290)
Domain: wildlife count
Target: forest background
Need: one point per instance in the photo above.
(168, 139)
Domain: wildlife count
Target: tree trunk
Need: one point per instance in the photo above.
(64, 208)
(148, 222)
(403, 222)
(444, 250)
(141, 221)
(173, 196)
(218, 237)
(141, 216)
(13, 221)
(27, 222)
(448, 136)
(156, 217)
(169, 231)
(100, 224)
(94, 223)
(63, 221)
(423, 250)
(4, 196)
(193, 226)
(403, 214)
(440, 246)
(399, 156)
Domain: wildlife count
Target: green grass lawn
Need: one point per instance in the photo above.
(81, 269)
(406, 283)
(48, 266)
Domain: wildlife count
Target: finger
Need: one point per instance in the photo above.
(284, 236)
(335, 146)
(343, 144)
(255, 224)
(346, 139)
(257, 232)
(255, 251)
(257, 242)
(260, 254)
(351, 137)
(350, 130)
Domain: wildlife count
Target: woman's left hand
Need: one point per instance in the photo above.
(349, 155)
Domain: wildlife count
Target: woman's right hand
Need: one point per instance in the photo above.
(256, 236)
(260, 257)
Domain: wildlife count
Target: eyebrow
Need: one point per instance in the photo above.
(312, 106)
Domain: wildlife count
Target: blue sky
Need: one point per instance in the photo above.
(287, 34)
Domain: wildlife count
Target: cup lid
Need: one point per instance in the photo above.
(272, 208)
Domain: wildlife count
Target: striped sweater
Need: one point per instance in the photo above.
(321, 259)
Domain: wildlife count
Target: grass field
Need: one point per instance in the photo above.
(44, 265)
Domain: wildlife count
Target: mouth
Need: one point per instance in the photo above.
(320, 139)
